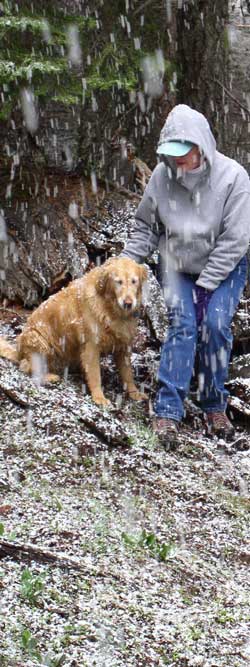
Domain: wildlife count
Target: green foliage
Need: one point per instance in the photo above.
(1, 529)
(34, 53)
(144, 436)
(54, 661)
(31, 587)
(71, 631)
(224, 616)
(28, 69)
(11, 23)
(149, 542)
(29, 644)
(28, 59)
(195, 633)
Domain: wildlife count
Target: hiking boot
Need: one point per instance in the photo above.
(219, 424)
(167, 431)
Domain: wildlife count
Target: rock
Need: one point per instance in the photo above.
(240, 367)
(241, 321)
(239, 399)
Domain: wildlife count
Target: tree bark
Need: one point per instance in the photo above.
(203, 58)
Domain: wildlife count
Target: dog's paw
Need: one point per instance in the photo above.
(51, 378)
(25, 366)
(137, 395)
(102, 401)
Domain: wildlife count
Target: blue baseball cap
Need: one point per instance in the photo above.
(175, 148)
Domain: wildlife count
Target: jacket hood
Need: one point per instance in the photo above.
(186, 124)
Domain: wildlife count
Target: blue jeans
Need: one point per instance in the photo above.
(212, 342)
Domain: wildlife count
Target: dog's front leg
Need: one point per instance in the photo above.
(123, 362)
(90, 362)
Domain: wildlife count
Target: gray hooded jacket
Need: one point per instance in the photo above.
(198, 220)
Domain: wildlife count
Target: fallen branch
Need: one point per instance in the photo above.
(28, 552)
(14, 397)
(108, 432)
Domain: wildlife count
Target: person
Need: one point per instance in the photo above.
(196, 211)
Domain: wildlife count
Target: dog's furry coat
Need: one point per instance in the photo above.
(93, 315)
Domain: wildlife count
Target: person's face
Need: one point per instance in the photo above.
(189, 161)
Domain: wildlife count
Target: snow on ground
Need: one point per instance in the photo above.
(128, 555)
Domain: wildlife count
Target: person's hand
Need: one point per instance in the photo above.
(201, 301)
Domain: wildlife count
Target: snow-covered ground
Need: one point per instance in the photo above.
(128, 555)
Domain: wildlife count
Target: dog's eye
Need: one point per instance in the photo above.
(134, 281)
(118, 281)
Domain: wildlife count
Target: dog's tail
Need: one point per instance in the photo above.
(7, 350)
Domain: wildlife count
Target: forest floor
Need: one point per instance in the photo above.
(115, 552)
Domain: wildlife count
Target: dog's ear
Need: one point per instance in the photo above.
(101, 282)
(143, 272)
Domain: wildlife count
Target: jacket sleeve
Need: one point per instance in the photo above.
(232, 243)
(144, 238)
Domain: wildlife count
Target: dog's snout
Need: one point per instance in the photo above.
(128, 302)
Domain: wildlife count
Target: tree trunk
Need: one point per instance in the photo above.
(203, 58)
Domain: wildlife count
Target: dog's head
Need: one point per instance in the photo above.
(120, 280)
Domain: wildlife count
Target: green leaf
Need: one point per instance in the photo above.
(129, 540)
(31, 586)
(148, 539)
(164, 550)
(29, 644)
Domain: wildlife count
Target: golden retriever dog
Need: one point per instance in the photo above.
(95, 314)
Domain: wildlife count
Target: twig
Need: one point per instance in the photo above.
(196, 500)
(120, 188)
(126, 191)
(242, 106)
(13, 312)
(145, 4)
(206, 450)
